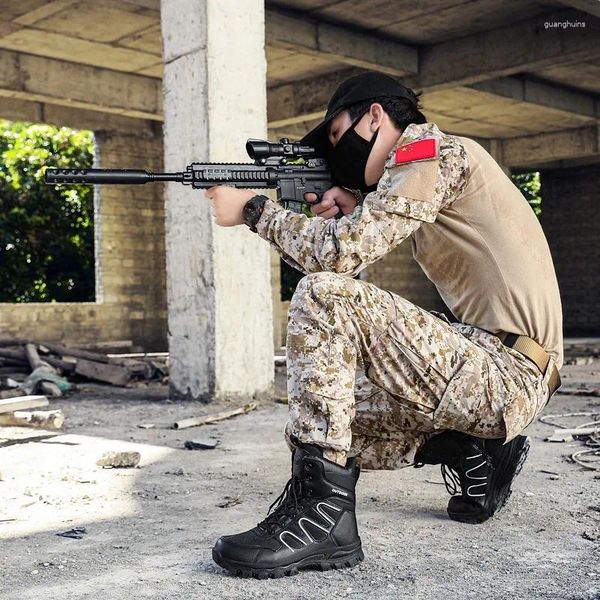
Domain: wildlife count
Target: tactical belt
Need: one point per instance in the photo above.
(534, 352)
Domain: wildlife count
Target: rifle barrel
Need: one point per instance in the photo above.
(115, 176)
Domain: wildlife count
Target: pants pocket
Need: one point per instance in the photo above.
(469, 403)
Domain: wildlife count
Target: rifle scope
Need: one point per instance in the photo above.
(258, 149)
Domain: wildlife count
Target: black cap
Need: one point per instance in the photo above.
(366, 86)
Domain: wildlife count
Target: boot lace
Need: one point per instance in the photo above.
(451, 479)
(284, 506)
(472, 481)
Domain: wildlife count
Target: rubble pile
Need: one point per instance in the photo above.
(29, 367)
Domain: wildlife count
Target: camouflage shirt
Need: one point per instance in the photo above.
(407, 195)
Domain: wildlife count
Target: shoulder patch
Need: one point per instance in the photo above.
(421, 150)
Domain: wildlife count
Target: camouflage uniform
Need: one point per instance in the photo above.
(422, 374)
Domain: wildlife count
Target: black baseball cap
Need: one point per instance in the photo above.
(366, 86)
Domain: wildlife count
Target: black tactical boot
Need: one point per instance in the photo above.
(482, 469)
(313, 523)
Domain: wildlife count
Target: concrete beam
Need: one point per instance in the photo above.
(305, 100)
(50, 81)
(515, 48)
(541, 94)
(481, 60)
(17, 109)
(302, 100)
(339, 44)
(538, 150)
(591, 7)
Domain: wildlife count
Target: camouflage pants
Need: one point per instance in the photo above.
(422, 375)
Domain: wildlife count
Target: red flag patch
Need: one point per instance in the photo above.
(421, 150)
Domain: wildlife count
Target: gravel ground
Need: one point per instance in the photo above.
(150, 529)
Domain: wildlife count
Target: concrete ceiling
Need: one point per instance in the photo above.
(488, 68)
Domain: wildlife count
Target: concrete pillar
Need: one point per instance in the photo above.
(218, 279)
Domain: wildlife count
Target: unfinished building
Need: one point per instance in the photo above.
(163, 84)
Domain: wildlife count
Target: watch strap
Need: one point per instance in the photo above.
(252, 211)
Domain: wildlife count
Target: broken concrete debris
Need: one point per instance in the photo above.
(76, 533)
(229, 501)
(201, 445)
(119, 460)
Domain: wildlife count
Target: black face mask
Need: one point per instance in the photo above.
(348, 159)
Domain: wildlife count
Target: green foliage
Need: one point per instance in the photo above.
(529, 184)
(46, 232)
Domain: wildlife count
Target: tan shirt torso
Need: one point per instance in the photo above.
(489, 259)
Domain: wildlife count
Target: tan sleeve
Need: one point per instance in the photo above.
(406, 196)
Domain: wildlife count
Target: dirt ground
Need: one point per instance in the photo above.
(149, 530)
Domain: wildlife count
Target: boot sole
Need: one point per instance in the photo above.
(340, 560)
(504, 491)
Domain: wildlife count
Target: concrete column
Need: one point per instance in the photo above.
(218, 279)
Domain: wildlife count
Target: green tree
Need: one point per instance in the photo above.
(530, 186)
(46, 232)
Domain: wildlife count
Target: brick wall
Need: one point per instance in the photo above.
(130, 271)
(570, 218)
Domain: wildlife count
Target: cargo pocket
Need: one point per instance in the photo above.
(527, 400)
(467, 405)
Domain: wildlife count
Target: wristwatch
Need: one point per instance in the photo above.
(253, 210)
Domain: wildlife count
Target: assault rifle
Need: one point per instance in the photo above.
(288, 167)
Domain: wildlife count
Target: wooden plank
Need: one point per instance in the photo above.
(69, 367)
(204, 420)
(45, 419)
(22, 403)
(114, 374)
(14, 354)
(13, 341)
(115, 346)
(76, 352)
(10, 370)
(33, 357)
